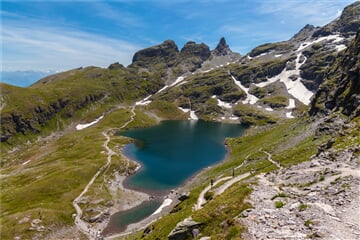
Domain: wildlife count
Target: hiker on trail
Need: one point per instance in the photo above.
(212, 182)
(233, 172)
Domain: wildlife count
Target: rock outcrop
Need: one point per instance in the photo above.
(184, 229)
(192, 49)
(304, 33)
(192, 55)
(341, 88)
(166, 53)
(347, 24)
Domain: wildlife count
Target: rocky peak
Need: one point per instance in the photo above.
(222, 48)
(164, 52)
(192, 49)
(304, 33)
(347, 24)
(116, 65)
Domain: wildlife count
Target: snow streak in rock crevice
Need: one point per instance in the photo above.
(251, 99)
(295, 88)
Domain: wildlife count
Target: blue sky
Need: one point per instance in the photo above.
(61, 35)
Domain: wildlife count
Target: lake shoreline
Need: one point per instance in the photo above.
(173, 194)
(165, 196)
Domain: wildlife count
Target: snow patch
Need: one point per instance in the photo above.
(224, 104)
(181, 83)
(278, 55)
(249, 97)
(185, 110)
(295, 88)
(178, 80)
(166, 203)
(145, 101)
(234, 118)
(193, 115)
(291, 104)
(162, 89)
(260, 55)
(82, 126)
(24, 163)
(289, 115)
(269, 109)
(340, 47)
(335, 38)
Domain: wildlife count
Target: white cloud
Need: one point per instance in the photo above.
(317, 13)
(43, 48)
(105, 10)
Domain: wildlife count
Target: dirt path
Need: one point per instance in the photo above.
(201, 200)
(229, 183)
(271, 160)
(83, 226)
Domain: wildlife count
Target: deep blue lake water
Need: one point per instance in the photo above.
(173, 151)
(170, 153)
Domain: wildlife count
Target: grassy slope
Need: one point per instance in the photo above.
(48, 104)
(59, 170)
(56, 174)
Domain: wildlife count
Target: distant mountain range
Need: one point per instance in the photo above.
(22, 78)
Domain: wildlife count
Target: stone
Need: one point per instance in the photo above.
(183, 229)
(148, 230)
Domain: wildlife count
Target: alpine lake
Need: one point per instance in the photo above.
(170, 153)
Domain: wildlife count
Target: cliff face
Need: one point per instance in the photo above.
(341, 89)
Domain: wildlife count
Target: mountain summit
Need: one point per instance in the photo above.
(222, 48)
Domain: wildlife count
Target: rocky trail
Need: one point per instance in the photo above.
(82, 225)
(271, 160)
(201, 199)
(315, 199)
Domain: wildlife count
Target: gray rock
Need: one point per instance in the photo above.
(184, 229)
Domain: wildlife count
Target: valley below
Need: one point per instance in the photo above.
(191, 143)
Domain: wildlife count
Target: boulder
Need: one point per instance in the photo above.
(184, 229)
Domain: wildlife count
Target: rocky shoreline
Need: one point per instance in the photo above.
(128, 200)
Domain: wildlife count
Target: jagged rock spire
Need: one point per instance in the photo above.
(222, 48)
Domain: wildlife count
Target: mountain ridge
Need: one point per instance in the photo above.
(161, 65)
(300, 155)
